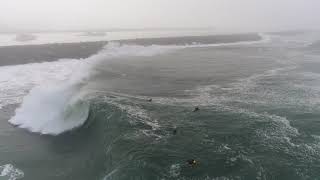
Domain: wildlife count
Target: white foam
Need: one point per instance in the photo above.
(264, 39)
(10, 172)
(52, 109)
(137, 113)
(218, 178)
(56, 102)
(175, 170)
(16, 81)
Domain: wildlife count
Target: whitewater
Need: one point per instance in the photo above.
(57, 98)
(90, 118)
(55, 91)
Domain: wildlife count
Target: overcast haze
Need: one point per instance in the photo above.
(238, 15)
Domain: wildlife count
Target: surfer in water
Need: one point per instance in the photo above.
(196, 109)
(175, 131)
(192, 162)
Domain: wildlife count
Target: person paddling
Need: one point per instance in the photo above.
(196, 109)
(192, 162)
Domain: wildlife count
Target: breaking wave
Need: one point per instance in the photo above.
(60, 105)
(237, 126)
(56, 91)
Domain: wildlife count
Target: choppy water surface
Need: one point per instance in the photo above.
(258, 117)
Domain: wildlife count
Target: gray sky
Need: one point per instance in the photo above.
(239, 15)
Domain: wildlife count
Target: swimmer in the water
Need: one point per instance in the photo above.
(149, 100)
(196, 109)
(175, 131)
(192, 162)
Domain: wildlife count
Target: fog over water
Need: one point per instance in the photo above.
(229, 15)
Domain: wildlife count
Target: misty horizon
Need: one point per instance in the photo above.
(182, 29)
(97, 15)
(112, 29)
(159, 89)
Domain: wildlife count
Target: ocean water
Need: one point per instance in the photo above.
(90, 118)
(12, 39)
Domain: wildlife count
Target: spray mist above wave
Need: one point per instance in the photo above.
(59, 105)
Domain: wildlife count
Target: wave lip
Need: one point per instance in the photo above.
(55, 106)
(58, 106)
(51, 110)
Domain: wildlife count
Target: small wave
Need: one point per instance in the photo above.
(138, 115)
(10, 172)
(136, 112)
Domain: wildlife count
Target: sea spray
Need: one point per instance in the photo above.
(56, 107)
